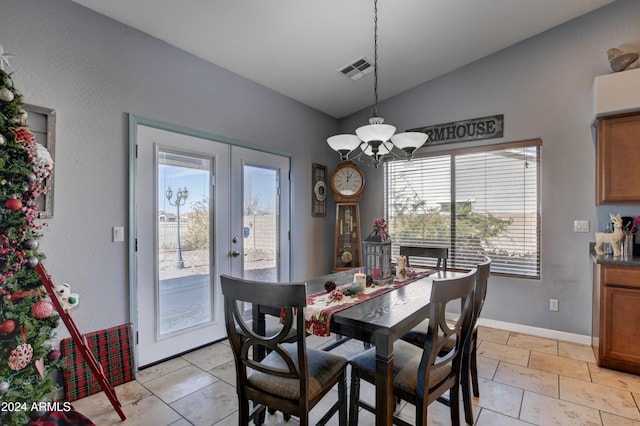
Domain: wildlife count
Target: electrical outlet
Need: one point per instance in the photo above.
(553, 305)
(580, 226)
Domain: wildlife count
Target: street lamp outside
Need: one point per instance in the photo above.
(181, 199)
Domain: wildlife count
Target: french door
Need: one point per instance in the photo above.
(202, 208)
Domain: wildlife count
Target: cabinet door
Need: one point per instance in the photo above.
(618, 179)
(620, 338)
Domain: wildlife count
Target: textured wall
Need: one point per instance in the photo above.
(543, 86)
(94, 71)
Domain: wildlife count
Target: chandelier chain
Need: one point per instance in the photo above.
(375, 57)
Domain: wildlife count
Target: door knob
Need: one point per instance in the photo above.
(235, 253)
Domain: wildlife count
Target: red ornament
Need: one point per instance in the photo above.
(53, 355)
(13, 204)
(7, 326)
(42, 309)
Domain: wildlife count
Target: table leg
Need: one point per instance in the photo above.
(259, 327)
(385, 402)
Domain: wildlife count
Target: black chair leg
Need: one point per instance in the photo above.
(474, 371)
(355, 397)
(342, 396)
(466, 399)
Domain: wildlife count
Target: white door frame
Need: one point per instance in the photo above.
(223, 256)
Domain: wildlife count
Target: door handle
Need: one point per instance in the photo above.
(235, 253)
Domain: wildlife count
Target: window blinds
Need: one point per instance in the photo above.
(476, 202)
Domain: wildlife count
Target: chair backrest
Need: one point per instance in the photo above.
(439, 253)
(288, 296)
(480, 293)
(442, 332)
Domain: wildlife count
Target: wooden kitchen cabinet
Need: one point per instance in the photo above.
(618, 147)
(616, 334)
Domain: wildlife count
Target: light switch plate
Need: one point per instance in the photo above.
(117, 234)
(580, 226)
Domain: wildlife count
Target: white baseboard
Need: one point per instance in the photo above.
(537, 331)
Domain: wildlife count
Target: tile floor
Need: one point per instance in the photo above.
(524, 380)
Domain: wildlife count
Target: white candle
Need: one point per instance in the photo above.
(360, 279)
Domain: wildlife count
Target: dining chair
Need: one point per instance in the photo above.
(469, 358)
(291, 378)
(441, 254)
(418, 335)
(420, 374)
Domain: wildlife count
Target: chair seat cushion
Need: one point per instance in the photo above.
(406, 361)
(323, 369)
(418, 335)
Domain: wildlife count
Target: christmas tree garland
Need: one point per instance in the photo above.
(26, 321)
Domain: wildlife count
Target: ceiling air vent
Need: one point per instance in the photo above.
(357, 69)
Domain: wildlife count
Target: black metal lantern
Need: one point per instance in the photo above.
(377, 257)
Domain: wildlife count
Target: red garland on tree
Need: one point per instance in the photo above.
(26, 325)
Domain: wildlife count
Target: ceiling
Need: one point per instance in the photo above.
(297, 47)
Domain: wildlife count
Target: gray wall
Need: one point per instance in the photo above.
(543, 87)
(94, 71)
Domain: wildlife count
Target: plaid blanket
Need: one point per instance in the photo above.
(62, 418)
(113, 349)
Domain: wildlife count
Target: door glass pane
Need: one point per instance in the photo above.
(183, 212)
(261, 207)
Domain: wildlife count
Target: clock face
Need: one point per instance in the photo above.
(348, 181)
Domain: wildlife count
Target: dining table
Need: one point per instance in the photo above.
(380, 321)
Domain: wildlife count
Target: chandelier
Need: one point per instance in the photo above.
(376, 140)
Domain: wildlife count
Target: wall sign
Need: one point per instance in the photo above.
(465, 130)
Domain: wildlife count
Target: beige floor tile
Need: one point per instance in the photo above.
(615, 379)
(183, 422)
(502, 352)
(487, 367)
(499, 397)
(600, 397)
(98, 403)
(210, 356)
(437, 414)
(314, 341)
(491, 418)
(226, 372)
(576, 351)
(149, 411)
(517, 374)
(527, 379)
(208, 405)
(534, 343)
(559, 365)
(609, 419)
(159, 370)
(493, 335)
(180, 383)
(543, 410)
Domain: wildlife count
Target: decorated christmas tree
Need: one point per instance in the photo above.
(27, 318)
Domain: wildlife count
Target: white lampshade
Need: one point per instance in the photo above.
(344, 142)
(409, 140)
(375, 132)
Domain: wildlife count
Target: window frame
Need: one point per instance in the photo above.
(452, 153)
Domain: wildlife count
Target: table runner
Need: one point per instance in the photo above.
(320, 308)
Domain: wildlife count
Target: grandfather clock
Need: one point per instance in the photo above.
(347, 182)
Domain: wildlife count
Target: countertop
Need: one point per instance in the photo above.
(609, 259)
